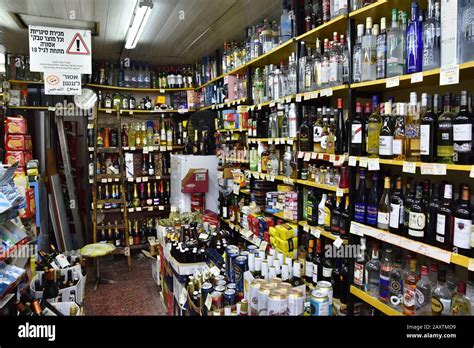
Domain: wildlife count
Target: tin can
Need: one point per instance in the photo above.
(326, 287)
(263, 294)
(217, 300)
(221, 283)
(219, 288)
(285, 286)
(198, 202)
(295, 302)
(206, 289)
(275, 280)
(244, 253)
(231, 286)
(231, 252)
(319, 303)
(253, 295)
(277, 303)
(244, 307)
(217, 278)
(252, 248)
(229, 297)
(240, 266)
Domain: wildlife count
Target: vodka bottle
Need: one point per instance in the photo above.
(432, 37)
(369, 55)
(395, 48)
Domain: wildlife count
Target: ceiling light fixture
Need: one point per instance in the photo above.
(140, 18)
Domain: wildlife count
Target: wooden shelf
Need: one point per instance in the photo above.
(138, 90)
(319, 93)
(322, 186)
(271, 141)
(281, 216)
(318, 231)
(337, 24)
(408, 244)
(453, 167)
(21, 82)
(382, 307)
(247, 235)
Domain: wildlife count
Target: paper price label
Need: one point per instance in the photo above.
(236, 189)
(145, 150)
(278, 141)
(208, 302)
(440, 169)
(104, 181)
(299, 97)
(338, 242)
(169, 148)
(363, 162)
(307, 96)
(183, 297)
(314, 95)
(428, 250)
(300, 155)
(470, 266)
(130, 179)
(291, 182)
(161, 208)
(352, 161)
(417, 77)
(145, 179)
(393, 82)
(288, 99)
(374, 164)
(471, 175)
(109, 180)
(314, 155)
(427, 169)
(307, 156)
(270, 141)
(327, 92)
(260, 107)
(332, 158)
(131, 210)
(289, 141)
(272, 104)
(263, 246)
(162, 91)
(108, 111)
(306, 228)
(138, 209)
(339, 192)
(315, 232)
(139, 180)
(162, 148)
(409, 167)
(133, 148)
(357, 230)
(91, 149)
(90, 126)
(271, 178)
(449, 75)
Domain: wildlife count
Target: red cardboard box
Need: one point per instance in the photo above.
(30, 209)
(15, 125)
(18, 156)
(196, 181)
(18, 142)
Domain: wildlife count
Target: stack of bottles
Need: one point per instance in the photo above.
(318, 12)
(270, 160)
(326, 175)
(146, 195)
(281, 122)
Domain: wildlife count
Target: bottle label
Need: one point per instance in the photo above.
(409, 296)
(462, 132)
(318, 131)
(384, 287)
(356, 134)
(327, 217)
(397, 147)
(315, 274)
(321, 216)
(359, 213)
(440, 224)
(358, 274)
(396, 218)
(309, 269)
(383, 218)
(462, 233)
(386, 145)
(372, 215)
(324, 142)
(327, 272)
(396, 288)
(416, 224)
(425, 139)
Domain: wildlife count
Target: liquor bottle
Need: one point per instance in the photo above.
(321, 210)
(312, 208)
(396, 220)
(136, 199)
(385, 272)
(395, 48)
(445, 220)
(328, 209)
(325, 66)
(357, 55)
(409, 289)
(467, 45)
(383, 213)
(361, 199)
(372, 202)
(369, 53)
(432, 37)
(328, 268)
(399, 139)
(346, 58)
(304, 135)
(441, 299)
(345, 221)
(309, 261)
(396, 284)
(462, 133)
(156, 197)
(382, 50)
(285, 24)
(423, 293)
(318, 262)
(428, 131)
(445, 145)
(414, 41)
(463, 223)
(359, 265)
(460, 304)
(149, 199)
(386, 134)
(336, 217)
(296, 280)
(417, 218)
(292, 121)
(432, 207)
(358, 133)
(50, 292)
(373, 129)
(372, 273)
(341, 145)
(412, 130)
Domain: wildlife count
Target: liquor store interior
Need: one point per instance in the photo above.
(237, 158)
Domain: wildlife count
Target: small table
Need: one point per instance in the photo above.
(96, 251)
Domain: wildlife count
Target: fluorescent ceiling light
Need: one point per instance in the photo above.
(140, 18)
(25, 20)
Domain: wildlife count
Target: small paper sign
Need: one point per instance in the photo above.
(314, 95)
(356, 229)
(301, 155)
(409, 167)
(315, 232)
(449, 75)
(417, 77)
(327, 92)
(363, 162)
(270, 141)
(208, 302)
(161, 208)
(470, 266)
(299, 98)
(145, 179)
(306, 228)
(278, 141)
(162, 148)
(314, 155)
(338, 242)
(352, 161)
(289, 141)
(263, 246)
(471, 175)
(393, 82)
(374, 164)
(272, 104)
(138, 209)
(139, 180)
(440, 169)
(307, 156)
(339, 192)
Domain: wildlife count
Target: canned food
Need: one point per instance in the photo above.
(295, 302)
(277, 303)
(221, 283)
(285, 286)
(240, 266)
(244, 253)
(319, 302)
(252, 248)
(263, 294)
(231, 286)
(219, 288)
(275, 280)
(253, 295)
(244, 307)
(326, 287)
(231, 252)
(217, 302)
(205, 290)
(229, 297)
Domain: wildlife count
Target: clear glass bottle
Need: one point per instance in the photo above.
(432, 37)
(382, 49)
(357, 55)
(412, 130)
(423, 293)
(369, 53)
(395, 47)
(460, 304)
(441, 299)
(372, 273)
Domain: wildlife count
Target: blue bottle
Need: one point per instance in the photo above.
(414, 41)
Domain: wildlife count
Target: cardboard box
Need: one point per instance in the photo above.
(11, 157)
(30, 209)
(196, 181)
(18, 142)
(15, 125)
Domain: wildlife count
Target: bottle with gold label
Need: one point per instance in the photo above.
(131, 135)
(138, 136)
(412, 130)
(373, 129)
(460, 304)
(163, 131)
(328, 207)
(100, 139)
(136, 199)
(144, 136)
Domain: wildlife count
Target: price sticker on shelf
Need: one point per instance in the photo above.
(300, 155)
(108, 111)
(314, 95)
(213, 107)
(374, 164)
(440, 169)
(162, 148)
(321, 156)
(162, 91)
(104, 181)
(270, 141)
(259, 107)
(145, 150)
(271, 178)
(352, 161)
(449, 75)
(138, 209)
(169, 148)
(315, 232)
(91, 149)
(332, 158)
(289, 141)
(130, 179)
(278, 141)
(417, 77)
(339, 192)
(392, 82)
(90, 126)
(426, 169)
(109, 180)
(307, 156)
(363, 162)
(145, 179)
(161, 208)
(263, 246)
(306, 228)
(307, 96)
(133, 148)
(131, 210)
(291, 182)
(288, 99)
(208, 302)
(471, 175)
(314, 155)
(409, 167)
(139, 180)
(356, 229)
(338, 242)
(470, 266)
(299, 97)
(272, 104)
(117, 180)
(150, 208)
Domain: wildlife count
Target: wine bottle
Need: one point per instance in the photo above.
(463, 223)
(372, 202)
(396, 218)
(417, 217)
(360, 200)
(383, 211)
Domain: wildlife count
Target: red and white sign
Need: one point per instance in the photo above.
(58, 49)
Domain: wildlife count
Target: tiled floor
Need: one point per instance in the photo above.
(135, 293)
